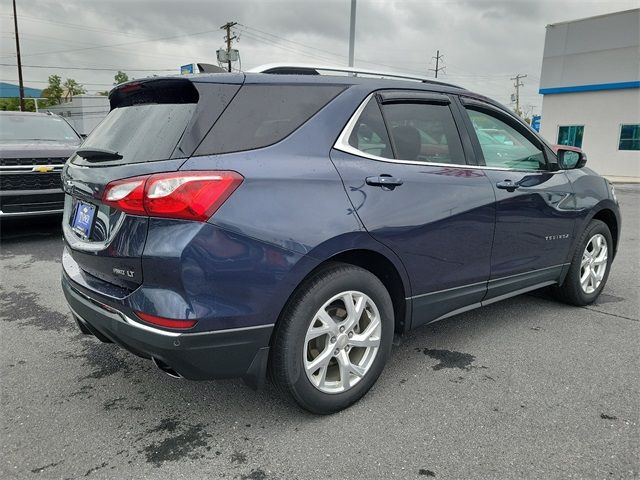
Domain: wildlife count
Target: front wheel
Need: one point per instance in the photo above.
(333, 338)
(589, 267)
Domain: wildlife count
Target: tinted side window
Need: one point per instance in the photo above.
(261, 115)
(369, 134)
(424, 132)
(503, 146)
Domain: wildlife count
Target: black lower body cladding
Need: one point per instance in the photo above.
(208, 355)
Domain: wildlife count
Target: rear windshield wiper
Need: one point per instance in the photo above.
(93, 153)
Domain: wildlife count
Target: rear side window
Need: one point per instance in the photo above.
(424, 132)
(261, 115)
(370, 134)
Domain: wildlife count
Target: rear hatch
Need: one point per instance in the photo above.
(153, 126)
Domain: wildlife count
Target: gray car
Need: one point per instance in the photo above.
(33, 150)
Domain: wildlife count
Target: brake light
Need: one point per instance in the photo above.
(126, 195)
(186, 195)
(166, 322)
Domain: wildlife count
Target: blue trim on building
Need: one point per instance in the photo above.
(590, 88)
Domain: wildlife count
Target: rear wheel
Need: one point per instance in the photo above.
(589, 268)
(333, 339)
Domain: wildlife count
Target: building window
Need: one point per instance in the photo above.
(629, 137)
(571, 135)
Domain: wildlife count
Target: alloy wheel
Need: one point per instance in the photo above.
(594, 264)
(342, 342)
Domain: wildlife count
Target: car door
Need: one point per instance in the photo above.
(410, 179)
(535, 214)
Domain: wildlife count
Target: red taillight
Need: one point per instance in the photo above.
(187, 195)
(126, 195)
(166, 322)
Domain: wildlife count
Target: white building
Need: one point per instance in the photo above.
(83, 112)
(591, 85)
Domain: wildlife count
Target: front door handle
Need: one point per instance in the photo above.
(384, 181)
(508, 185)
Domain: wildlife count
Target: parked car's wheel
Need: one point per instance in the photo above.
(333, 339)
(589, 268)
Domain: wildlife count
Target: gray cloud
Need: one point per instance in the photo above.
(484, 42)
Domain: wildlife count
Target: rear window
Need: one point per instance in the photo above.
(28, 127)
(261, 115)
(144, 132)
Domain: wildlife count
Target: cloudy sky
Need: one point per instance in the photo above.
(484, 42)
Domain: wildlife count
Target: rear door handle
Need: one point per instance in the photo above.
(508, 185)
(385, 181)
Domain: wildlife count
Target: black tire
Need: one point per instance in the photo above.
(286, 362)
(571, 291)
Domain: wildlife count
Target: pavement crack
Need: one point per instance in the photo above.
(611, 314)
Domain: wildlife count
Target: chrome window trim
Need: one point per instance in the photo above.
(342, 144)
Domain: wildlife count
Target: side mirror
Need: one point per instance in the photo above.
(569, 158)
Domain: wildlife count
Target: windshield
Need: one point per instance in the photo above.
(28, 127)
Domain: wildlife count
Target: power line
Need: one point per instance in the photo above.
(309, 47)
(47, 83)
(94, 68)
(121, 44)
(287, 48)
(74, 25)
(291, 41)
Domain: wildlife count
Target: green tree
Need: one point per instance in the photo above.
(73, 88)
(9, 104)
(120, 77)
(53, 92)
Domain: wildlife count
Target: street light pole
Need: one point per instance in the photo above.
(352, 32)
(21, 84)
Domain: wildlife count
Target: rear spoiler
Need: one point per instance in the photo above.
(161, 90)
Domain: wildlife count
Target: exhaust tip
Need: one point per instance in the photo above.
(165, 368)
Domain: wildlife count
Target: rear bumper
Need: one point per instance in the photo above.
(238, 352)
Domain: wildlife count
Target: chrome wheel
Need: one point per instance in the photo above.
(594, 263)
(342, 342)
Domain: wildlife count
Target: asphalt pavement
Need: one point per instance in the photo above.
(527, 388)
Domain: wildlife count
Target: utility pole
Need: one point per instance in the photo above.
(517, 86)
(438, 67)
(15, 24)
(228, 38)
(352, 32)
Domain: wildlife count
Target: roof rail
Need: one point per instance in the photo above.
(310, 69)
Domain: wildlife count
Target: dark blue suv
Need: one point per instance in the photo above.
(290, 223)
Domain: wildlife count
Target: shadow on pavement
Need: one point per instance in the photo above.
(13, 229)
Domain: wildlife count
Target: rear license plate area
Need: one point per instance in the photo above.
(83, 219)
